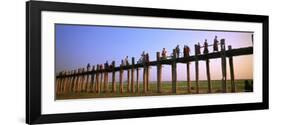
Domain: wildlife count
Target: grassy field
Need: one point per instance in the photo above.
(166, 90)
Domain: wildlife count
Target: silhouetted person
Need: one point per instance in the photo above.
(112, 63)
(177, 51)
(106, 66)
(101, 66)
(127, 61)
(216, 42)
(122, 63)
(186, 51)
(164, 53)
(146, 57)
(197, 47)
(143, 57)
(88, 66)
(206, 47)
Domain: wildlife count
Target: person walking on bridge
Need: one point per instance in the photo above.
(216, 42)
(164, 53)
(206, 47)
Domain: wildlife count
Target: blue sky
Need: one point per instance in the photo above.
(78, 45)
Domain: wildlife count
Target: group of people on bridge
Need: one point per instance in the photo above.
(186, 53)
(186, 49)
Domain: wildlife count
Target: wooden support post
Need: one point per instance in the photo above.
(233, 86)
(132, 75)
(197, 49)
(147, 73)
(101, 78)
(137, 80)
(76, 81)
(62, 82)
(128, 80)
(186, 55)
(208, 75)
(79, 80)
(57, 83)
(188, 77)
(87, 84)
(113, 77)
(174, 72)
(159, 73)
(83, 85)
(97, 86)
(147, 78)
(92, 79)
(121, 79)
(65, 83)
(144, 79)
(223, 65)
(105, 85)
(71, 81)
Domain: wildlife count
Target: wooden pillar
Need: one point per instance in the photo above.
(144, 79)
(105, 85)
(159, 73)
(92, 89)
(62, 82)
(174, 72)
(121, 79)
(101, 78)
(83, 80)
(147, 78)
(87, 83)
(147, 73)
(57, 83)
(128, 80)
(97, 86)
(233, 86)
(65, 82)
(132, 75)
(186, 55)
(113, 77)
(70, 81)
(208, 75)
(76, 81)
(197, 48)
(188, 77)
(137, 80)
(223, 65)
(79, 81)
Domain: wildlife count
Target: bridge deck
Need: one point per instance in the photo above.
(233, 52)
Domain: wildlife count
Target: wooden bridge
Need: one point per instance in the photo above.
(95, 78)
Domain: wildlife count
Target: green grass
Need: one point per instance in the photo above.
(166, 90)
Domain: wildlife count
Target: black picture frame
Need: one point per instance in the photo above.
(33, 61)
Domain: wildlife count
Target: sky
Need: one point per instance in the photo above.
(78, 45)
